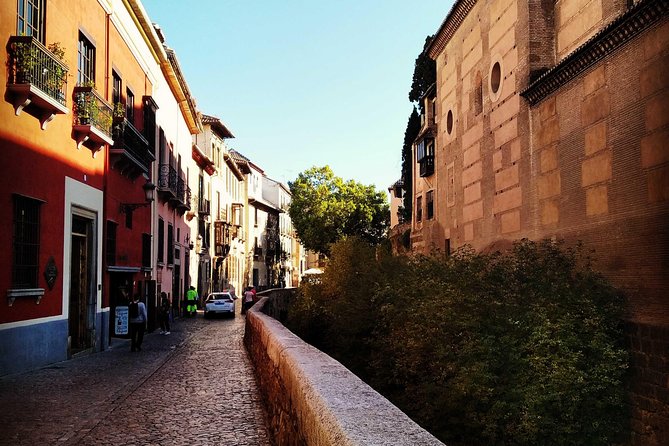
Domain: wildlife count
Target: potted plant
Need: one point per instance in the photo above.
(88, 109)
(55, 78)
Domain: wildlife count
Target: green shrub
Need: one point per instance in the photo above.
(520, 348)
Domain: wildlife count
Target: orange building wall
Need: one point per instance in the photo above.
(37, 161)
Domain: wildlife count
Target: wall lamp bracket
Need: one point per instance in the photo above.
(149, 195)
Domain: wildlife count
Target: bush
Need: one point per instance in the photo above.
(520, 348)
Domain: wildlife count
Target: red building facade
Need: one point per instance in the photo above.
(78, 128)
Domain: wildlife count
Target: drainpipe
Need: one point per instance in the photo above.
(105, 174)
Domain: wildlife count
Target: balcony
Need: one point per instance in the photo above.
(203, 206)
(37, 79)
(183, 196)
(167, 182)
(425, 154)
(92, 119)
(426, 166)
(132, 155)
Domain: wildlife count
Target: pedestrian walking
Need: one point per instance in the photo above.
(248, 300)
(137, 318)
(191, 301)
(164, 314)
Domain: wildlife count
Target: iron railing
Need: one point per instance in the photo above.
(203, 206)
(130, 142)
(30, 62)
(91, 109)
(167, 179)
(183, 194)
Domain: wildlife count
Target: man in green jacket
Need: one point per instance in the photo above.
(191, 301)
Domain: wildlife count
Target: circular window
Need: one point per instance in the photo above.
(449, 122)
(495, 77)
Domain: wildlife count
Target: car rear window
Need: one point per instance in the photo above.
(220, 297)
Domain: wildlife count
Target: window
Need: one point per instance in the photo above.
(111, 242)
(30, 19)
(495, 79)
(447, 246)
(150, 108)
(419, 209)
(146, 250)
(429, 204)
(130, 106)
(161, 240)
(170, 244)
(425, 156)
(449, 122)
(85, 61)
(116, 88)
(25, 265)
(162, 147)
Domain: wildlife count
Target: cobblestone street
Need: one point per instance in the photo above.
(193, 387)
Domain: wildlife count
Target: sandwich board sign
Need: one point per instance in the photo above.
(121, 324)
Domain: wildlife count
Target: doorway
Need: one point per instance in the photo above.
(83, 302)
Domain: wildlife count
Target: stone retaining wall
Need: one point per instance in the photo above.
(312, 399)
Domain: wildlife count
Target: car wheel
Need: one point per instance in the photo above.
(206, 315)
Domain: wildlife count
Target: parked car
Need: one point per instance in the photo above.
(219, 303)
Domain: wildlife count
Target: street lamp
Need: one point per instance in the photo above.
(149, 194)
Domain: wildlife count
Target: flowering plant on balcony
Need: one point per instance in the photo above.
(33, 63)
(91, 109)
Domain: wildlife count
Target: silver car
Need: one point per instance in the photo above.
(219, 303)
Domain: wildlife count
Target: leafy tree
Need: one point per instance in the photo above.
(325, 208)
(410, 134)
(424, 74)
(517, 348)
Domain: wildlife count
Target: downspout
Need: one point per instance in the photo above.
(105, 175)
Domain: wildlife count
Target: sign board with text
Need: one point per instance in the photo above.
(121, 321)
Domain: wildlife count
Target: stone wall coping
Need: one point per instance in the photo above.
(336, 407)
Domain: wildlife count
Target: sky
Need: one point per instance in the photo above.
(303, 83)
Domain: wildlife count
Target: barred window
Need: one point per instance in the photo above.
(26, 231)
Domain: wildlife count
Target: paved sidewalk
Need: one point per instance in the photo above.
(193, 387)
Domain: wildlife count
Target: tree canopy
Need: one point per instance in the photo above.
(424, 74)
(325, 208)
(410, 134)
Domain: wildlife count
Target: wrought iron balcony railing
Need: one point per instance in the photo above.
(37, 78)
(167, 181)
(203, 206)
(183, 195)
(133, 153)
(92, 119)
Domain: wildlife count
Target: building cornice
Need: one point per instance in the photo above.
(617, 33)
(449, 26)
(169, 65)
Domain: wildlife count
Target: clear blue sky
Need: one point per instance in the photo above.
(304, 83)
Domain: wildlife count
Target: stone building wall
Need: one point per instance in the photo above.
(587, 160)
